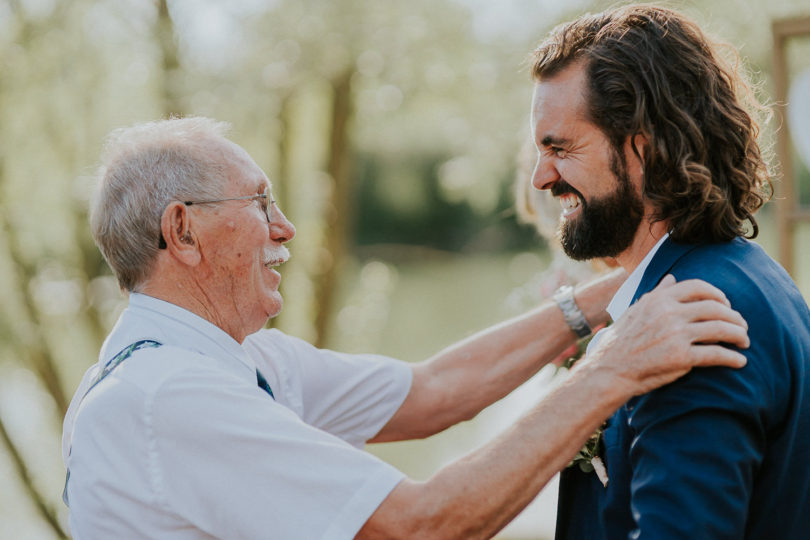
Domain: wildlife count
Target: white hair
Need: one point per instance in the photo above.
(144, 168)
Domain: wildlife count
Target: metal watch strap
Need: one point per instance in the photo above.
(564, 297)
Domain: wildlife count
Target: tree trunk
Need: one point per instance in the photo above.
(170, 63)
(32, 347)
(336, 212)
(45, 510)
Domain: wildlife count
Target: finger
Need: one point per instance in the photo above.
(716, 355)
(719, 332)
(707, 310)
(692, 290)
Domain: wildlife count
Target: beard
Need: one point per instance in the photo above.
(607, 226)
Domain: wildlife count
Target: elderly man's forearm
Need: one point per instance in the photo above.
(460, 381)
(479, 494)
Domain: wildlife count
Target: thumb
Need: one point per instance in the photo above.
(668, 281)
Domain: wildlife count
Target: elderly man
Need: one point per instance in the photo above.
(642, 131)
(195, 423)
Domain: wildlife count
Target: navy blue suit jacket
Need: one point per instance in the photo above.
(720, 453)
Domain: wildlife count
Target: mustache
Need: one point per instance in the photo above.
(276, 254)
(561, 187)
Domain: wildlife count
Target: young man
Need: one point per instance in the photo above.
(644, 138)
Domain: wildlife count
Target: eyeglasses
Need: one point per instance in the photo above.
(266, 198)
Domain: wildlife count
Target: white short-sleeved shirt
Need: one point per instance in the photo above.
(179, 442)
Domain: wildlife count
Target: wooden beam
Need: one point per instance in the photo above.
(784, 192)
(791, 27)
(788, 211)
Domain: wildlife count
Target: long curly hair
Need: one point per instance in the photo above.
(653, 72)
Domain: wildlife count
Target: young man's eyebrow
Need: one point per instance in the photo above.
(550, 140)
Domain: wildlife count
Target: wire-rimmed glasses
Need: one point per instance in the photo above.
(266, 198)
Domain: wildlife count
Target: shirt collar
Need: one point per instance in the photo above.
(621, 300)
(147, 317)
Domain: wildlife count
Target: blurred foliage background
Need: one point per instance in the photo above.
(392, 133)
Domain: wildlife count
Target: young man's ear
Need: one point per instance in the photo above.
(634, 152)
(175, 224)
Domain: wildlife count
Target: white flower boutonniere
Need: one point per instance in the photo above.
(588, 459)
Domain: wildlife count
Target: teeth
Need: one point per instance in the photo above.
(569, 203)
(275, 262)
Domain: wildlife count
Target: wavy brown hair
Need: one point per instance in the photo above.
(652, 71)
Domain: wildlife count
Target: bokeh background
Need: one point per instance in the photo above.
(394, 134)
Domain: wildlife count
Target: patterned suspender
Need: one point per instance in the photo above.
(111, 365)
(116, 361)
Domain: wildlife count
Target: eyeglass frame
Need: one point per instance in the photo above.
(267, 195)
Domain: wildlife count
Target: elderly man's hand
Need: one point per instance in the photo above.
(670, 330)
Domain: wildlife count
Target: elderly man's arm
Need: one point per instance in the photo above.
(659, 339)
(463, 379)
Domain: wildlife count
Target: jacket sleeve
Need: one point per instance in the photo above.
(696, 447)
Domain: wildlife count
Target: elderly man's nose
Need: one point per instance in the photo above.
(281, 229)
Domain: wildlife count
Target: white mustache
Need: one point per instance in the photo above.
(276, 255)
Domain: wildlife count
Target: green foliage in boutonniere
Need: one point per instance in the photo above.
(589, 450)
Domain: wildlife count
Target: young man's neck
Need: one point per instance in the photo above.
(646, 237)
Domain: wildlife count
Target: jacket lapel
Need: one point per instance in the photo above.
(664, 259)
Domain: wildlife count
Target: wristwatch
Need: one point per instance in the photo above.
(564, 297)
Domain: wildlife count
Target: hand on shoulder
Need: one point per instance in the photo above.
(670, 330)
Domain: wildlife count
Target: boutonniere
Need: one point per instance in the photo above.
(588, 459)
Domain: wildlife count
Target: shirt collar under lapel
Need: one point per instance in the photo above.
(663, 261)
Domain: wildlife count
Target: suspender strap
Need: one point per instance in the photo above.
(263, 384)
(111, 365)
(120, 357)
(117, 360)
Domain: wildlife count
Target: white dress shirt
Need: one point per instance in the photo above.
(179, 442)
(621, 300)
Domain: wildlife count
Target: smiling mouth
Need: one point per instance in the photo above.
(274, 263)
(276, 257)
(570, 203)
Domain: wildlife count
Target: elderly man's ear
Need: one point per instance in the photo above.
(175, 224)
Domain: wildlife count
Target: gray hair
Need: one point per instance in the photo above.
(144, 168)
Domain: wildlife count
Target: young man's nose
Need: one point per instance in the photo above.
(545, 174)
